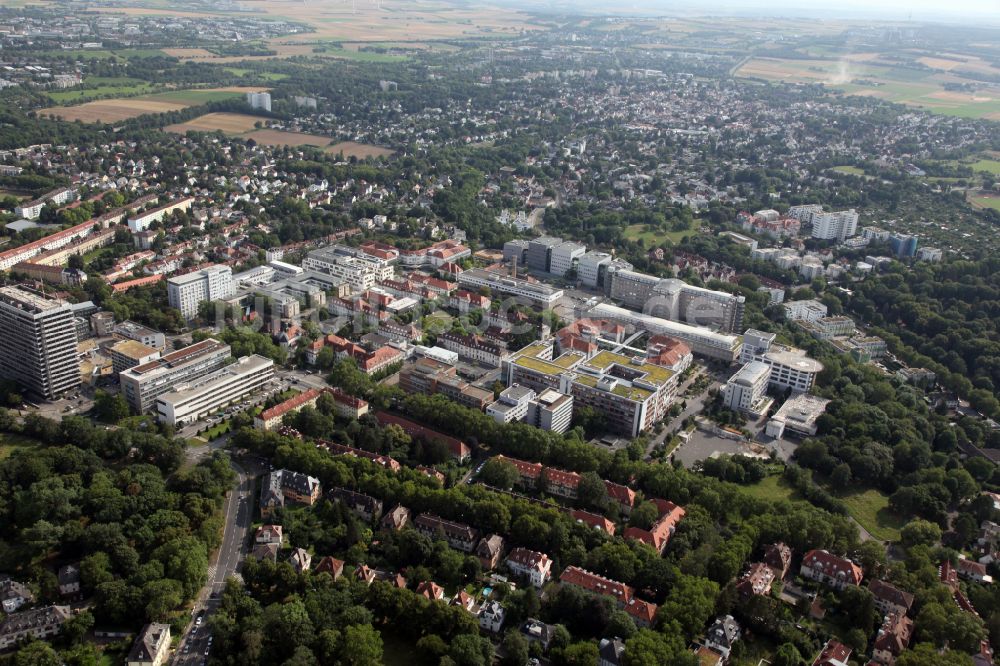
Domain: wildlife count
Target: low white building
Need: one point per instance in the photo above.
(214, 391)
(512, 405)
(491, 616)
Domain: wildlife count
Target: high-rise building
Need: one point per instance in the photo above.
(213, 283)
(38, 342)
(745, 390)
(838, 225)
(903, 246)
(259, 100)
(540, 252)
(142, 384)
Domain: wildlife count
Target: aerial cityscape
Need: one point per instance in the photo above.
(420, 332)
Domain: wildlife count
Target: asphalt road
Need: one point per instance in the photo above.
(694, 406)
(195, 643)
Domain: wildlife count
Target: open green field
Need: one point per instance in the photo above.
(871, 509)
(989, 166)
(773, 489)
(267, 76)
(105, 87)
(635, 232)
(852, 170)
(11, 442)
(195, 97)
(870, 76)
(986, 202)
(104, 54)
(360, 56)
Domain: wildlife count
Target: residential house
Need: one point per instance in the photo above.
(464, 600)
(366, 506)
(489, 551)
(831, 570)
(283, 486)
(659, 533)
(756, 581)
(889, 599)
(458, 535)
(624, 495)
(535, 566)
(722, 635)
(893, 637)
(151, 647)
(366, 574)
(778, 556)
(270, 534)
(833, 654)
(972, 570)
(642, 612)
(611, 652)
(265, 551)
(396, 519)
(330, 565)
(491, 616)
(14, 595)
(458, 449)
(594, 521)
(38, 623)
(536, 631)
(300, 560)
(430, 590)
(69, 580)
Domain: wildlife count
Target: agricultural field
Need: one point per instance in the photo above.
(243, 126)
(921, 85)
(117, 110)
(105, 87)
(229, 123)
(984, 200)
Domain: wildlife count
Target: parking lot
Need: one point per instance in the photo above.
(703, 444)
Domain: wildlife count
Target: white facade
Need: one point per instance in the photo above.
(259, 100)
(837, 225)
(223, 387)
(213, 283)
(537, 292)
(744, 392)
(807, 310)
(702, 341)
(142, 221)
(512, 405)
(38, 342)
(790, 367)
(360, 273)
(551, 410)
(564, 257)
(590, 267)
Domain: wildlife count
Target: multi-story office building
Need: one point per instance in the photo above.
(430, 377)
(143, 384)
(538, 293)
(745, 390)
(629, 392)
(805, 310)
(359, 270)
(512, 405)
(827, 328)
(676, 300)
(564, 257)
(837, 225)
(213, 283)
(129, 330)
(142, 221)
(474, 348)
(539, 253)
(702, 341)
(550, 410)
(592, 268)
(904, 246)
(790, 367)
(129, 353)
(515, 251)
(804, 213)
(229, 384)
(38, 342)
(928, 253)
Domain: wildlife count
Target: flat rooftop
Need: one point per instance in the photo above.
(29, 300)
(133, 349)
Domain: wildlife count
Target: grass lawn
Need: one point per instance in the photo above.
(635, 232)
(986, 202)
(772, 488)
(852, 170)
(215, 431)
(871, 509)
(268, 76)
(113, 90)
(11, 442)
(989, 166)
(361, 56)
(195, 97)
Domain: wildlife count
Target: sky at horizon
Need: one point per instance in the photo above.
(954, 10)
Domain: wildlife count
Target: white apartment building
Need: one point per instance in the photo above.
(805, 310)
(929, 254)
(837, 225)
(503, 285)
(190, 402)
(32, 209)
(804, 213)
(213, 283)
(259, 100)
(676, 300)
(142, 221)
(535, 566)
(746, 390)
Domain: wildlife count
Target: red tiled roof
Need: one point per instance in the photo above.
(591, 582)
(456, 447)
(525, 469)
(619, 493)
(831, 565)
(593, 520)
(289, 405)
